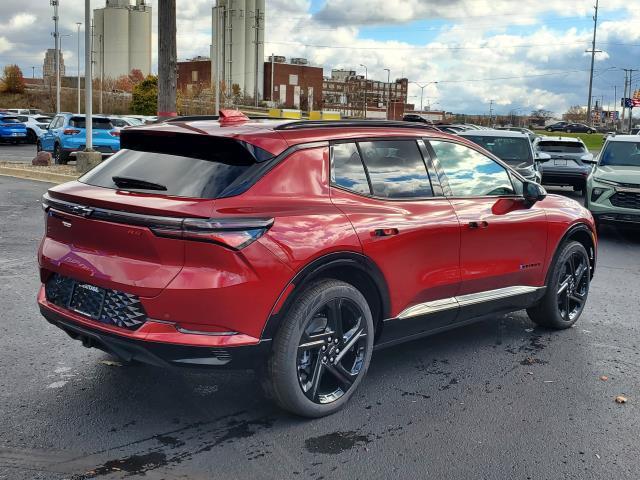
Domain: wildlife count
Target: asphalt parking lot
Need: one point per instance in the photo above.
(499, 399)
(23, 152)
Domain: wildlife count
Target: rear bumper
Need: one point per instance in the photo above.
(177, 349)
(575, 178)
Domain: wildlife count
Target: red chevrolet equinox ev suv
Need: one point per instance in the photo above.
(296, 248)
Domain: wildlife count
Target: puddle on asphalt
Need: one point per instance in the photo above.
(336, 442)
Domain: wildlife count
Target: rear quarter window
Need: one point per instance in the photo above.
(561, 147)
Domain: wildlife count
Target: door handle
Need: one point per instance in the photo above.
(384, 232)
(478, 225)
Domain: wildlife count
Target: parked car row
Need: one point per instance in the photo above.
(569, 127)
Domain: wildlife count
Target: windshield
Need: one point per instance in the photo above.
(621, 154)
(516, 151)
(561, 147)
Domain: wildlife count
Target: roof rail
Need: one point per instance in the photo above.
(301, 124)
(193, 118)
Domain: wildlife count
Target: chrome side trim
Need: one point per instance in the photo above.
(435, 306)
(429, 307)
(489, 295)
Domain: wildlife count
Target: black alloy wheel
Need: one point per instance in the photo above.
(573, 286)
(322, 350)
(56, 154)
(567, 289)
(332, 350)
(31, 136)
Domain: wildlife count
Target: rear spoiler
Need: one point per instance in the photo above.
(195, 145)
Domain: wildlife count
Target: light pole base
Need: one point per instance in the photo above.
(85, 161)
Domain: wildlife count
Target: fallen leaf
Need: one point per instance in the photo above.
(110, 363)
(604, 378)
(621, 399)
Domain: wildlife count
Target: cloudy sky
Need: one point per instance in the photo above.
(522, 54)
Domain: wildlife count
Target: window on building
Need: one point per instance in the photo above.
(194, 76)
(293, 79)
(396, 169)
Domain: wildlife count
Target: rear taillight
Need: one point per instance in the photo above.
(70, 131)
(114, 133)
(231, 233)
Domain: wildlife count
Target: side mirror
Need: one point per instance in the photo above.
(588, 158)
(543, 157)
(533, 192)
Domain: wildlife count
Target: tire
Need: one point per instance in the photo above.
(59, 157)
(548, 129)
(560, 308)
(38, 146)
(31, 136)
(294, 364)
(568, 130)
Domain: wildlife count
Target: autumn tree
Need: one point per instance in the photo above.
(575, 114)
(12, 79)
(145, 96)
(136, 76)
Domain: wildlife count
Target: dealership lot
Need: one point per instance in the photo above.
(499, 399)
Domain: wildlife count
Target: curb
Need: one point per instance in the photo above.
(36, 175)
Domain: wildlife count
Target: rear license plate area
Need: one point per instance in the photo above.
(560, 163)
(87, 300)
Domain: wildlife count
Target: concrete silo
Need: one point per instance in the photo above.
(238, 44)
(122, 38)
(139, 37)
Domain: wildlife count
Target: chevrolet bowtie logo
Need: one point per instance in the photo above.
(81, 211)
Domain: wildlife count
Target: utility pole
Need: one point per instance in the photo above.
(167, 73)
(56, 36)
(628, 91)
(216, 61)
(491, 112)
(33, 72)
(273, 60)
(593, 57)
(78, 25)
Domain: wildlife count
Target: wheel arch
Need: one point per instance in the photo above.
(350, 267)
(583, 234)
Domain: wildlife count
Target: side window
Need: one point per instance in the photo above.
(470, 173)
(396, 169)
(57, 122)
(347, 170)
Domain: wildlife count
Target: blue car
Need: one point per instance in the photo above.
(12, 129)
(66, 134)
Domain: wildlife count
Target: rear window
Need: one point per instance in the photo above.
(561, 147)
(9, 120)
(98, 123)
(181, 176)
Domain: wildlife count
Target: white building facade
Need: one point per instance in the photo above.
(122, 38)
(238, 45)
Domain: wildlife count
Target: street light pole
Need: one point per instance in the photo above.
(422, 87)
(78, 25)
(88, 87)
(366, 76)
(56, 36)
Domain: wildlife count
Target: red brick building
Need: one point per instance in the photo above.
(295, 85)
(194, 73)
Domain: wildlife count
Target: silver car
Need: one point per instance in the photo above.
(570, 162)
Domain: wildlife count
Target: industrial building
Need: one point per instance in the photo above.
(49, 65)
(353, 95)
(295, 84)
(238, 45)
(194, 73)
(122, 38)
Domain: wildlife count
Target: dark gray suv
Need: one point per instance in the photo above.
(570, 163)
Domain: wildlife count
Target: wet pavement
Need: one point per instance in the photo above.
(498, 399)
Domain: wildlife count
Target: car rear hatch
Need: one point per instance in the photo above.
(121, 225)
(11, 125)
(563, 155)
